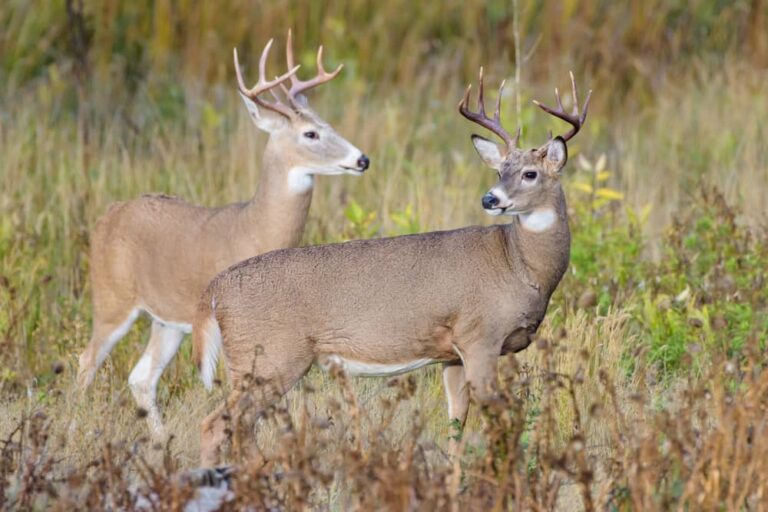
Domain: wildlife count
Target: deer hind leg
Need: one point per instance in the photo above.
(163, 344)
(213, 430)
(249, 398)
(457, 394)
(107, 331)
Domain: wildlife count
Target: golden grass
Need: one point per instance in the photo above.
(666, 121)
(570, 431)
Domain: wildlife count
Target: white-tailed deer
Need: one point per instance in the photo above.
(156, 254)
(387, 306)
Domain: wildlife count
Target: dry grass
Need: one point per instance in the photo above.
(651, 395)
(563, 434)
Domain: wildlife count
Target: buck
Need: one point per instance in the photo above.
(156, 254)
(387, 306)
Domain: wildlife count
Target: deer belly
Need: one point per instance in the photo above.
(184, 327)
(365, 369)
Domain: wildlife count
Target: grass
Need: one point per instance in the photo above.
(647, 388)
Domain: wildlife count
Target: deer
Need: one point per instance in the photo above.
(381, 307)
(156, 254)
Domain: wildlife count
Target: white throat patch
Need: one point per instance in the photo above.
(538, 221)
(300, 180)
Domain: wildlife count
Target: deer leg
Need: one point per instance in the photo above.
(163, 344)
(457, 394)
(214, 431)
(480, 362)
(247, 401)
(106, 333)
(234, 418)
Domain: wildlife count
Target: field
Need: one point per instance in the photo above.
(647, 388)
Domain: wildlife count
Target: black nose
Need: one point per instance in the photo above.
(363, 162)
(490, 201)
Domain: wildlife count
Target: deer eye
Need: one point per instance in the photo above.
(530, 175)
(311, 134)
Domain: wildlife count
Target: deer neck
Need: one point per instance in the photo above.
(276, 215)
(542, 241)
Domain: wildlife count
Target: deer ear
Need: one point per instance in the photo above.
(263, 118)
(557, 154)
(490, 152)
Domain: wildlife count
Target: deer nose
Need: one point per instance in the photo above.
(363, 162)
(490, 201)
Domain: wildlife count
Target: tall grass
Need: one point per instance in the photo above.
(666, 285)
(704, 448)
(131, 43)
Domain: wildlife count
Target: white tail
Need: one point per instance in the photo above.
(210, 347)
(381, 307)
(157, 253)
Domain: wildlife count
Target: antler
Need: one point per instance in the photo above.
(263, 86)
(481, 118)
(574, 119)
(299, 86)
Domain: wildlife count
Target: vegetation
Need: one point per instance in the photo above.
(647, 389)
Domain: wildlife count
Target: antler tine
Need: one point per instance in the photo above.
(497, 110)
(480, 117)
(574, 95)
(480, 99)
(575, 119)
(263, 61)
(497, 116)
(239, 74)
(289, 49)
(263, 85)
(299, 86)
(583, 116)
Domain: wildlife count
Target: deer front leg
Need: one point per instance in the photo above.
(480, 362)
(457, 394)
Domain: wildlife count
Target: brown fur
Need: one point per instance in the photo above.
(461, 297)
(157, 253)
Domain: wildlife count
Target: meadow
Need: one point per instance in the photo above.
(647, 388)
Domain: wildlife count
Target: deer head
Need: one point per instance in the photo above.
(296, 131)
(528, 179)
